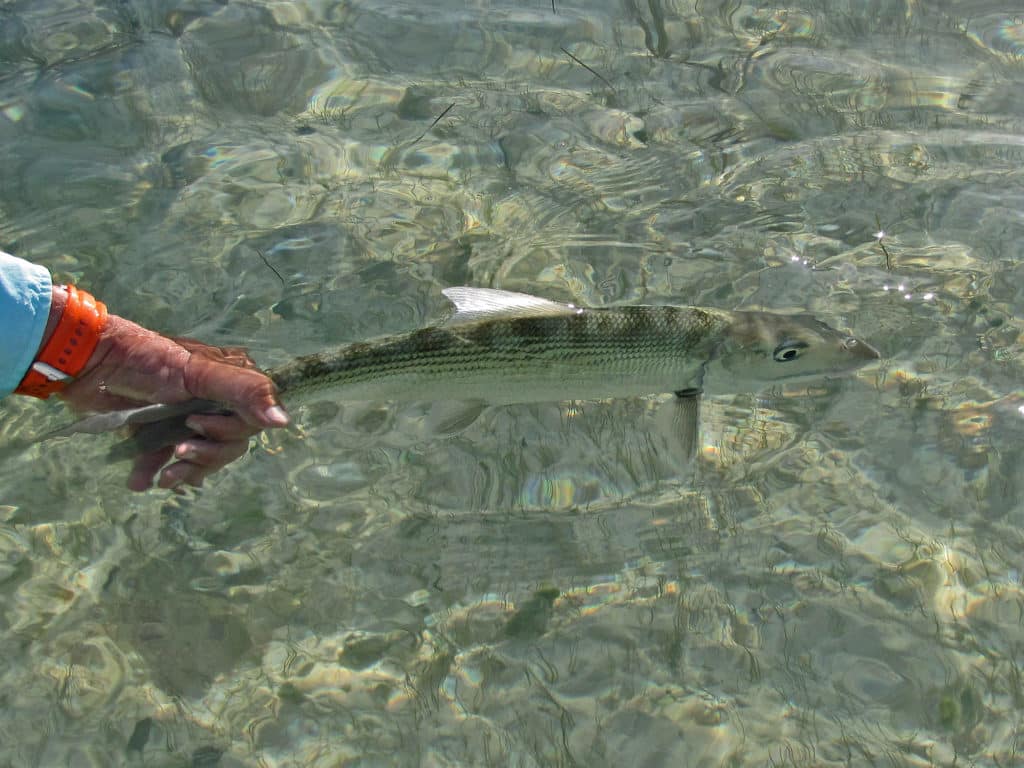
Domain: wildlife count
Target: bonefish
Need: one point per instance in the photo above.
(501, 347)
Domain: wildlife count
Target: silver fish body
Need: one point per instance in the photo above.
(587, 355)
(502, 347)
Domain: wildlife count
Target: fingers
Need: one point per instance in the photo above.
(208, 455)
(198, 458)
(193, 460)
(217, 441)
(247, 392)
(145, 468)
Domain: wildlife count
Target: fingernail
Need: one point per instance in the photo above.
(185, 452)
(276, 417)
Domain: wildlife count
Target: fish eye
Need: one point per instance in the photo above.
(850, 343)
(788, 350)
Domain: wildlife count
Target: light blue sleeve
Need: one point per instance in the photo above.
(25, 293)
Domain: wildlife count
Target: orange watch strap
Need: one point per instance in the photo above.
(70, 345)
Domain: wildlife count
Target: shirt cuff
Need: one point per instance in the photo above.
(25, 295)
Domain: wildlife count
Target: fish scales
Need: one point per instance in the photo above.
(588, 346)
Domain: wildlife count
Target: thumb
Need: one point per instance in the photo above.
(247, 392)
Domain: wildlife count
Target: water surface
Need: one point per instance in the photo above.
(835, 581)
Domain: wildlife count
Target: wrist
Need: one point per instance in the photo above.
(58, 301)
(72, 333)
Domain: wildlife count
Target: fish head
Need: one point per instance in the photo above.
(762, 348)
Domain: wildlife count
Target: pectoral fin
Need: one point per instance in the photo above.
(449, 417)
(686, 420)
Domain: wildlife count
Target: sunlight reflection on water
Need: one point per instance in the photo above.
(835, 574)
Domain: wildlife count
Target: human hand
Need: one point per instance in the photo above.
(133, 366)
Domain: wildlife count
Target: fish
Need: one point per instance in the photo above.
(501, 347)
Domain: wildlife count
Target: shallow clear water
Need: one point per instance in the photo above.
(837, 579)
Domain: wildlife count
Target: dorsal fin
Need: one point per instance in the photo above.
(476, 304)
